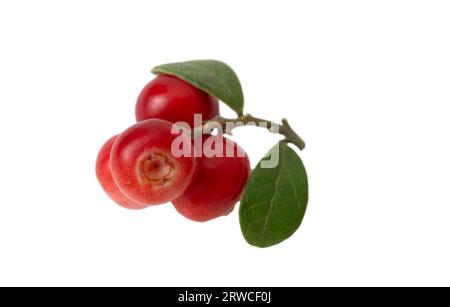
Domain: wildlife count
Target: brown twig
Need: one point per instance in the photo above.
(228, 124)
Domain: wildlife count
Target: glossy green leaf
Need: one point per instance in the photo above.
(275, 199)
(214, 77)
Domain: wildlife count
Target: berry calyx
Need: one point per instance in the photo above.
(154, 168)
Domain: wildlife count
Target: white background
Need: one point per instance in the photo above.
(366, 83)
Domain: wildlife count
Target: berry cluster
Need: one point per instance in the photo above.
(139, 168)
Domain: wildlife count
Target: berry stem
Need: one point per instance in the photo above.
(228, 124)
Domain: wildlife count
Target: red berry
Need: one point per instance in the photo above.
(169, 98)
(144, 167)
(103, 171)
(218, 185)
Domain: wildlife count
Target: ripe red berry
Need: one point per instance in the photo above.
(169, 98)
(103, 171)
(144, 167)
(218, 185)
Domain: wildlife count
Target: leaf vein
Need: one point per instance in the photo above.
(275, 194)
(257, 205)
(211, 74)
(291, 181)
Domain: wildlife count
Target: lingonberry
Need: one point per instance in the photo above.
(219, 182)
(144, 167)
(169, 98)
(104, 176)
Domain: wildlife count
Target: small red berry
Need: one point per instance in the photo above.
(145, 168)
(104, 176)
(169, 98)
(219, 183)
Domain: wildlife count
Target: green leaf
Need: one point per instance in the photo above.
(214, 77)
(275, 199)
